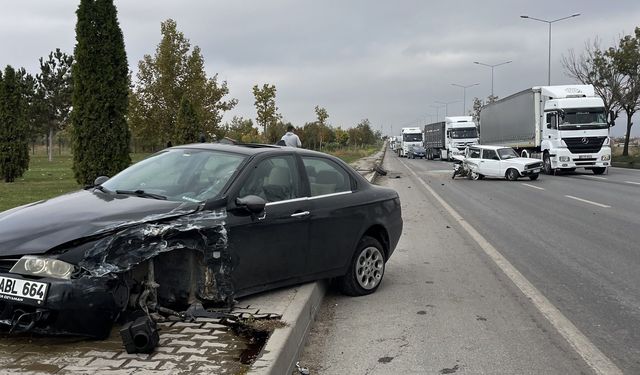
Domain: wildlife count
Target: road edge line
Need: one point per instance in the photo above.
(593, 357)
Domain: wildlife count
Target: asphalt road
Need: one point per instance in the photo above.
(576, 237)
(445, 307)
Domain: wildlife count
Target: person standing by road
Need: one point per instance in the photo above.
(290, 138)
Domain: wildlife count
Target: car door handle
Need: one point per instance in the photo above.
(300, 214)
(481, 161)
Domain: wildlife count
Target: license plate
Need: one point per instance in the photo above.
(536, 170)
(18, 290)
(584, 156)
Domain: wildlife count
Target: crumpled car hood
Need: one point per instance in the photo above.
(41, 226)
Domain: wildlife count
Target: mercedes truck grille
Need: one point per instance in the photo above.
(584, 145)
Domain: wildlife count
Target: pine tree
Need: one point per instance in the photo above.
(100, 93)
(14, 135)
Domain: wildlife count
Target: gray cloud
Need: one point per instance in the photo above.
(386, 61)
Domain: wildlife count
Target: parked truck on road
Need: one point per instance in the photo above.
(565, 126)
(449, 137)
(410, 137)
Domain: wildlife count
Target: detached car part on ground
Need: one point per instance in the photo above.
(197, 225)
(500, 162)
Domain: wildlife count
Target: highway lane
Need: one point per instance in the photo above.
(576, 237)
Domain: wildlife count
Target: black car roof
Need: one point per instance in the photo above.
(249, 148)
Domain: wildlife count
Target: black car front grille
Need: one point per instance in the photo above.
(582, 145)
(7, 264)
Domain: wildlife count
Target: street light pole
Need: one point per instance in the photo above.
(550, 22)
(446, 106)
(492, 66)
(464, 94)
(437, 107)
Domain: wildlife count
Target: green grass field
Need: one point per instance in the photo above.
(46, 179)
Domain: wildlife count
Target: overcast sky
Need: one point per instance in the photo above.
(388, 61)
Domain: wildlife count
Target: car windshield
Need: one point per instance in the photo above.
(418, 149)
(416, 137)
(507, 153)
(178, 175)
(464, 133)
(584, 118)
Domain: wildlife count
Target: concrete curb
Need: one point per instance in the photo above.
(284, 346)
(279, 355)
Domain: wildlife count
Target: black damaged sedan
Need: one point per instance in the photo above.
(195, 224)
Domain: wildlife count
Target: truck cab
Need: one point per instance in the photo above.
(574, 131)
(461, 132)
(410, 137)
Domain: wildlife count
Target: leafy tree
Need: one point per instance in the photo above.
(14, 141)
(362, 134)
(267, 112)
(322, 116)
(626, 60)
(188, 127)
(175, 72)
(55, 87)
(596, 67)
(100, 91)
(342, 137)
(242, 130)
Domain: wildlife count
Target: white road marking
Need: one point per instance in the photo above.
(533, 186)
(586, 201)
(632, 182)
(576, 339)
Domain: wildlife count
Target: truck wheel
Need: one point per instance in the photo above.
(512, 174)
(546, 161)
(598, 170)
(533, 177)
(366, 269)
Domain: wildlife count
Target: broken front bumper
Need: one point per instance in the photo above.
(87, 306)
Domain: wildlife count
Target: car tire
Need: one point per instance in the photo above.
(512, 174)
(598, 170)
(365, 270)
(475, 176)
(546, 164)
(534, 176)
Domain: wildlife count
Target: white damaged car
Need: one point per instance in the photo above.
(499, 161)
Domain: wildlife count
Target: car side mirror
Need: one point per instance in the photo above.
(100, 180)
(252, 203)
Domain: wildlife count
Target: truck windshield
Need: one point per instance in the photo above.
(417, 137)
(464, 133)
(584, 118)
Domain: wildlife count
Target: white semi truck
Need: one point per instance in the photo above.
(450, 137)
(410, 137)
(565, 126)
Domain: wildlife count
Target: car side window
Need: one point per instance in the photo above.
(490, 155)
(274, 179)
(325, 176)
(474, 153)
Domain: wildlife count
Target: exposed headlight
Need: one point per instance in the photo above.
(44, 267)
(605, 157)
(564, 158)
